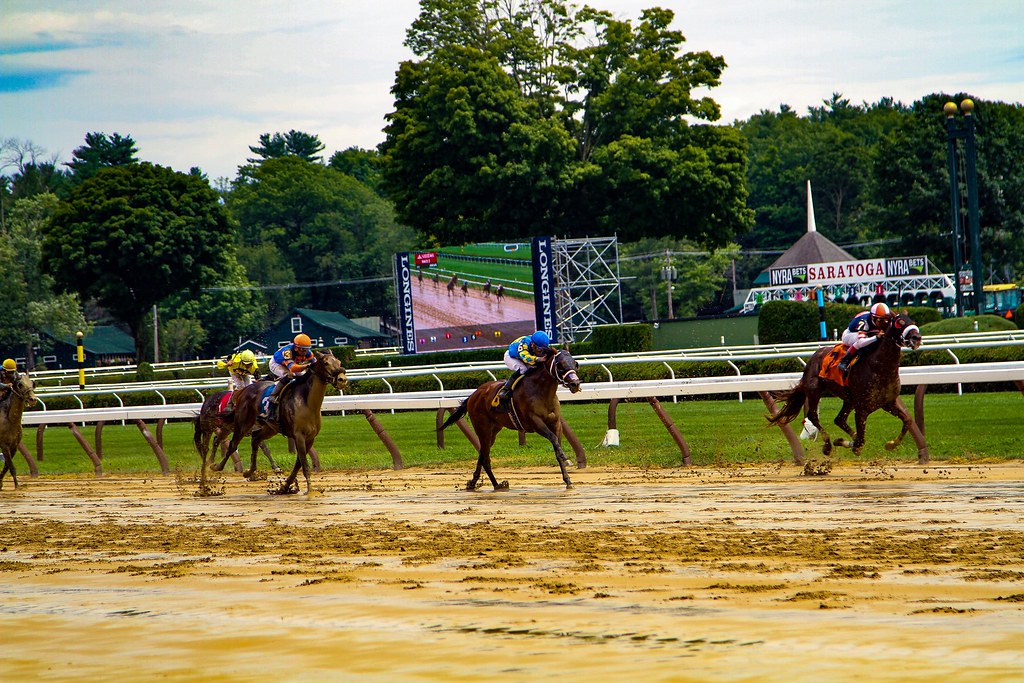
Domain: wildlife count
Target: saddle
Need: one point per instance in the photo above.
(268, 412)
(504, 405)
(830, 365)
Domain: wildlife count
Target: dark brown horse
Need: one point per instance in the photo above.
(22, 394)
(499, 294)
(873, 382)
(298, 415)
(452, 282)
(534, 403)
(211, 431)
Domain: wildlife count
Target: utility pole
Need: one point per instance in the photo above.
(965, 132)
(668, 274)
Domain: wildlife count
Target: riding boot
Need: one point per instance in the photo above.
(231, 401)
(844, 364)
(501, 398)
(271, 413)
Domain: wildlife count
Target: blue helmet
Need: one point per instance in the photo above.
(541, 339)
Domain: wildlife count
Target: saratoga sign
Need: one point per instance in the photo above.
(848, 272)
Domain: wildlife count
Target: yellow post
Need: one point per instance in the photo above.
(81, 362)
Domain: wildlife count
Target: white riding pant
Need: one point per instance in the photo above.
(239, 381)
(858, 340)
(279, 371)
(513, 363)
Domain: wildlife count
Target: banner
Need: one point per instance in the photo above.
(544, 286)
(848, 272)
(403, 285)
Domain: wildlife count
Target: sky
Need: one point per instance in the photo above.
(196, 82)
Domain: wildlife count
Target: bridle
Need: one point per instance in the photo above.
(903, 341)
(332, 377)
(564, 377)
(21, 381)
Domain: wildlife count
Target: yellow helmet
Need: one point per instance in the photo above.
(302, 339)
(10, 365)
(248, 356)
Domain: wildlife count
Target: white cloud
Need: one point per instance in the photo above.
(196, 83)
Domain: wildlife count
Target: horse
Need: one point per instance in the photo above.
(452, 282)
(499, 294)
(21, 394)
(298, 415)
(873, 382)
(487, 289)
(534, 405)
(209, 426)
(465, 287)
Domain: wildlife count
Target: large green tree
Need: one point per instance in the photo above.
(320, 232)
(30, 304)
(293, 143)
(522, 118)
(133, 235)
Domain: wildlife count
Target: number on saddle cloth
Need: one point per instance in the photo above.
(265, 399)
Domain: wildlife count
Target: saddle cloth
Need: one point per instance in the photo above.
(223, 405)
(265, 400)
(830, 365)
(503, 406)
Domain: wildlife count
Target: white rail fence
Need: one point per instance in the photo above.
(442, 400)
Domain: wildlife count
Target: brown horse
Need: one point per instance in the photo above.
(22, 394)
(298, 415)
(452, 282)
(873, 382)
(211, 427)
(535, 405)
(499, 294)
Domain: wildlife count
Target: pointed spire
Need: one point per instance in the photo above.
(810, 210)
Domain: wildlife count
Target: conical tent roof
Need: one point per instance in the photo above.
(812, 247)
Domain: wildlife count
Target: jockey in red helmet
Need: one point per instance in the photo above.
(864, 330)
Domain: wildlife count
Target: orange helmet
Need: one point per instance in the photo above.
(302, 340)
(880, 312)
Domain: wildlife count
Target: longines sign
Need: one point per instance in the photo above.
(848, 272)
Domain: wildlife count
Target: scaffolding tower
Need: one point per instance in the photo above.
(588, 291)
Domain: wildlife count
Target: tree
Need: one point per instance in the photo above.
(30, 304)
(101, 151)
(301, 222)
(505, 126)
(701, 276)
(293, 143)
(362, 164)
(134, 235)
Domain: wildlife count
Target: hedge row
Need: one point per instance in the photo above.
(791, 322)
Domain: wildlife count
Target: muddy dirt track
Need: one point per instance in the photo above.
(876, 573)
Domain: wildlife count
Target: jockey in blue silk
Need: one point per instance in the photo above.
(290, 361)
(864, 330)
(521, 355)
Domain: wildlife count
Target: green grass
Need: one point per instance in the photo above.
(968, 428)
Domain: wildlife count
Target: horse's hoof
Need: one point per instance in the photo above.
(471, 485)
(216, 468)
(890, 445)
(826, 448)
(569, 487)
(502, 486)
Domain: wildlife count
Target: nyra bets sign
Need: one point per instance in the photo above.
(848, 272)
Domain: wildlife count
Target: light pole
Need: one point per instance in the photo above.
(668, 274)
(954, 132)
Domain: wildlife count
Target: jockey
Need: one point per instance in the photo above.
(8, 375)
(521, 356)
(243, 371)
(864, 330)
(290, 361)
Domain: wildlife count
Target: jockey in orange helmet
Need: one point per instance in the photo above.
(864, 330)
(290, 361)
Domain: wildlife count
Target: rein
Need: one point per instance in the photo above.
(553, 371)
(14, 390)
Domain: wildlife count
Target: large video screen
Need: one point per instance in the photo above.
(475, 296)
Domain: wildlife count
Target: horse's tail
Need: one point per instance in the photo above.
(197, 437)
(459, 413)
(794, 403)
